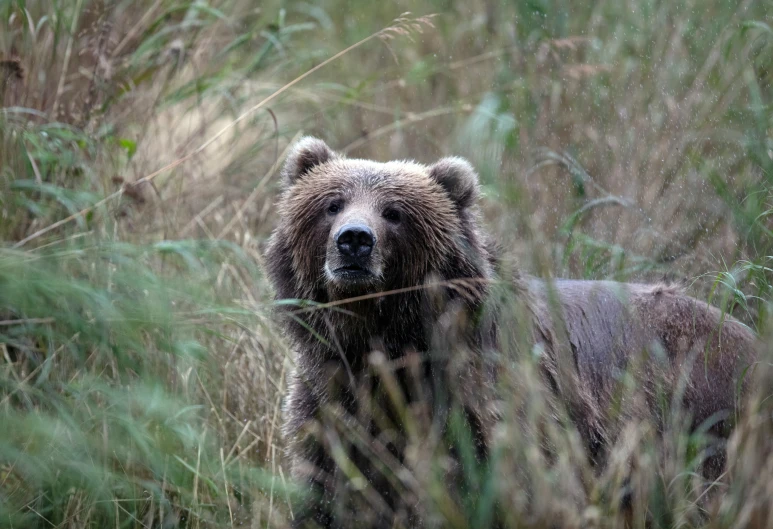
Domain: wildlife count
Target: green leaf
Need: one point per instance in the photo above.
(129, 145)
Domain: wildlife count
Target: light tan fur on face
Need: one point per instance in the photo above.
(422, 240)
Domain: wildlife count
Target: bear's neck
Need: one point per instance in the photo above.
(390, 324)
(394, 325)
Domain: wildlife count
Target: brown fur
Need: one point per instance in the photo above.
(694, 353)
(438, 238)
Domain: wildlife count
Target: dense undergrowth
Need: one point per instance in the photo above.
(141, 376)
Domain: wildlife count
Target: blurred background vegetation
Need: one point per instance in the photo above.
(141, 378)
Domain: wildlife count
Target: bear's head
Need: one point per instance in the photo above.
(350, 227)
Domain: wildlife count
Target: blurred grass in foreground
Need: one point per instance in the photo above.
(141, 380)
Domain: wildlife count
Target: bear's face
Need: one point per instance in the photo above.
(353, 227)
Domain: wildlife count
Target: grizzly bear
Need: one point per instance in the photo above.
(391, 285)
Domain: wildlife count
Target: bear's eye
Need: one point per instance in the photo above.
(392, 215)
(334, 208)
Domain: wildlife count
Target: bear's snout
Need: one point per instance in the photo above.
(355, 241)
(353, 261)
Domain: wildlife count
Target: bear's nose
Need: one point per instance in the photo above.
(355, 240)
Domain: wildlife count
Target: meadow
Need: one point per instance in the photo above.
(142, 373)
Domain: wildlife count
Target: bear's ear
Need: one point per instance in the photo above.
(307, 153)
(458, 178)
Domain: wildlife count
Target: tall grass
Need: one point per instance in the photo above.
(142, 377)
(129, 364)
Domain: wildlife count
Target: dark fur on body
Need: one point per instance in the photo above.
(437, 238)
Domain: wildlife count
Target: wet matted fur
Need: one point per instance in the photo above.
(419, 225)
